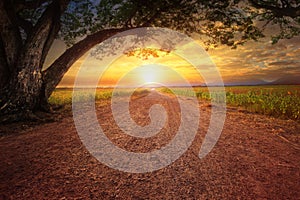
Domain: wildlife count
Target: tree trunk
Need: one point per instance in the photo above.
(4, 72)
(29, 88)
(24, 88)
(21, 92)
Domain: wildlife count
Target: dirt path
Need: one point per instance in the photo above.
(252, 160)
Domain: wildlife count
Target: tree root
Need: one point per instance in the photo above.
(27, 116)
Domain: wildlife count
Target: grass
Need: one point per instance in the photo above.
(63, 96)
(277, 101)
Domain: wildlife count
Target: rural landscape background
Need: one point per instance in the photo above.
(46, 45)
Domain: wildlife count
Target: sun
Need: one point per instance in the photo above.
(148, 76)
(150, 73)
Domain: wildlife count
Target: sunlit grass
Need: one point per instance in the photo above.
(278, 101)
(62, 96)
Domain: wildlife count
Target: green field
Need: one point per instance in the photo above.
(277, 101)
(63, 96)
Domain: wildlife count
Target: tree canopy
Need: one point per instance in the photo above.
(229, 22)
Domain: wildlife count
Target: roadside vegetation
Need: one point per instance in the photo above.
(277, 101)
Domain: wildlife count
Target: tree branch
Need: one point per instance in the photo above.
(4, 69)
(54, 29)
(10, 33)
(44, 22)
(22, 4)
(39, 36)
(24, 24)
(155, 15)
(53, 75)
(288, 10)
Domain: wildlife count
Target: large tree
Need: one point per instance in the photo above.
(29, 28)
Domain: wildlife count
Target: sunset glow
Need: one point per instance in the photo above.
(253, 63)
(167, 69)
(149, 75)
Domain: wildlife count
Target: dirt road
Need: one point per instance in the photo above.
(256, 157)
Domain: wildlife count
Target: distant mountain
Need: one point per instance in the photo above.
(247, 82)
(287, 81)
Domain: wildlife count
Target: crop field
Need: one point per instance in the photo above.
(63, 96)
(277, 101)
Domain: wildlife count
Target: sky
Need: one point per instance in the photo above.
(253, 63)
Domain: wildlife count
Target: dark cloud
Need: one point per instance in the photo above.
(285, 63)
(259, 61)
